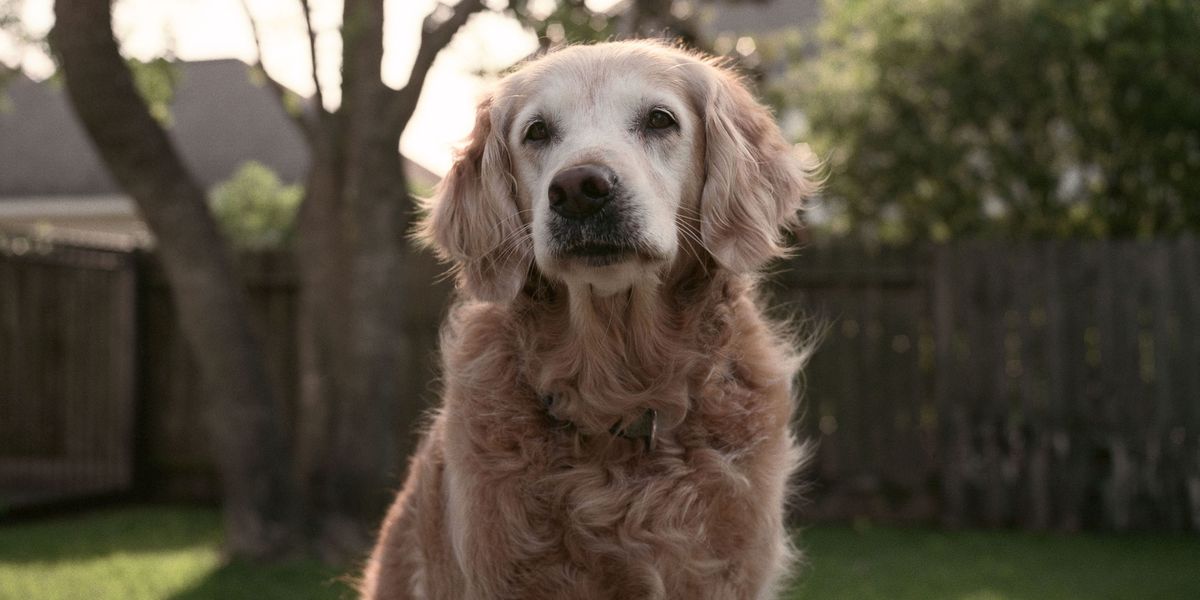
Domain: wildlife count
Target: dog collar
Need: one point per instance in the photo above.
(644, 429)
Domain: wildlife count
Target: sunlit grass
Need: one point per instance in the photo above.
(143, 554)
(150, 553)
(133, 575)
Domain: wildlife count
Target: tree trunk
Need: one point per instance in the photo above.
(244, 423)
(351, 242)
(322, 321)
(353, 352)
(351, 238)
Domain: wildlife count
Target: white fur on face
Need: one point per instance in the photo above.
(598, 116)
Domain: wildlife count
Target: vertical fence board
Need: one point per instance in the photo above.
(1185, 434)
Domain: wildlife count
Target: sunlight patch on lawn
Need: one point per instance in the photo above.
(148, 575)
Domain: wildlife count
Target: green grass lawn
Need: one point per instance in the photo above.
(141, 554)
(135, 553)
(887, 563)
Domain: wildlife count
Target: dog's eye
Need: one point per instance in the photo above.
(659, 119)
(537, 131)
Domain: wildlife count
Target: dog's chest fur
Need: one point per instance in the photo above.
(558, 511)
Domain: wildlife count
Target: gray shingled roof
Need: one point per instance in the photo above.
(220, 119)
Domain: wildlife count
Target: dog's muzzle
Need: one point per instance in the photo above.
(592, 221)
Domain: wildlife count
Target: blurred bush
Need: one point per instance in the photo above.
(1022, 118)
(255, 209)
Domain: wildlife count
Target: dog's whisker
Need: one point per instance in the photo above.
(690, 234)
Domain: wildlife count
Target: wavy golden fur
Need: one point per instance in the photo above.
(508, 499)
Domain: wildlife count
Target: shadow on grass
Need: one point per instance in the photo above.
(299, 580)
(101, 533)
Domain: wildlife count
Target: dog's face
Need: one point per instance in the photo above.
(605, 160)
(607, 164)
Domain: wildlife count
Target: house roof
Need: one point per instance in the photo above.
(220, 118)
(749, 17)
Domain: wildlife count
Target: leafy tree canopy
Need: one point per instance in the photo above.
(1031, 118)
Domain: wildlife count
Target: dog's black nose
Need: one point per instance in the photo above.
(579, 192)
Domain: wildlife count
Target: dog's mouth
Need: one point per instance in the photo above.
(599, 254)
(608, 238)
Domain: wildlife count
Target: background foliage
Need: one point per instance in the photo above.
(1023, 118)
(255, 209)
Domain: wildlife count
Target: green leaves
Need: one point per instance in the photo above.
(1029, 118)
(156, 81)
(255, 209)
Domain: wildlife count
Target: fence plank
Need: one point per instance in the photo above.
(1185, 431)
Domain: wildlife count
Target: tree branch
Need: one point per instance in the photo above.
(434, 37)
(318, 97)
(282, 93)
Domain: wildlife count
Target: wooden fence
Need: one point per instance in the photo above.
(177, 461)
(67, 372)
(1037, 385)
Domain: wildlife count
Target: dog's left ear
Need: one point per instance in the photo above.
(756, 182)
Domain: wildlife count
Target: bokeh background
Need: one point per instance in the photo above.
(216, 343)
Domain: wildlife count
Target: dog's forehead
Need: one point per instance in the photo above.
(586, 83)
(597, 96)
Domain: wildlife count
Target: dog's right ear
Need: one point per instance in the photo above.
(472, 219)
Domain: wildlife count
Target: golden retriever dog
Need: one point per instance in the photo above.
(616, 412)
